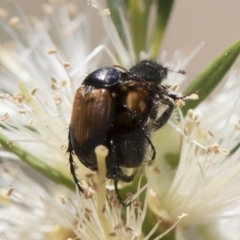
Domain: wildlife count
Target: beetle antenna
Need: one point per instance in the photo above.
(133, 76)
(179, 71)
(120, 67)
(184, 97)
(189, 94)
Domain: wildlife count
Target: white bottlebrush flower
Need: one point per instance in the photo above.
(204, 184)
(41, 68)
(50, 212)
(30, 210)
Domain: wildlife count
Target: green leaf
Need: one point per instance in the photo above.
(234, 149)
(37, 163)
(138, 16)
(172, 159)
(164, 9)
(114, 7)
(212, 75)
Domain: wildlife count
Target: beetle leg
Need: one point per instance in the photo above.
(166, 114)
(140, 125)
(119, 196)
(72, 167)
(125, 178)
(117, 174)
(115, 170)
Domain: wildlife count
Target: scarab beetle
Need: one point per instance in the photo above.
(119, 109)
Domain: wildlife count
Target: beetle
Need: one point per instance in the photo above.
(119, 109)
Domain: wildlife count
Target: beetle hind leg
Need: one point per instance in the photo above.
(73, 168)
(119, 196)
(124, 178)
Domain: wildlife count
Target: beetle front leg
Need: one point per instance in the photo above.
(166, 114)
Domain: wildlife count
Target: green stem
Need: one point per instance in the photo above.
(138, 18)
(164, 9)
(36, 163)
